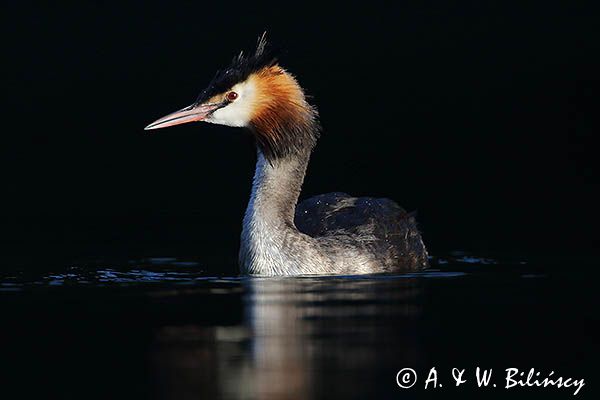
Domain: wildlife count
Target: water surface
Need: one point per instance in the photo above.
(165, 328)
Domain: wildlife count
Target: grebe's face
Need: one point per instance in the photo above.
(256, 93)
(239, 105)
(234, 107)
(231, 98)
(264, 97)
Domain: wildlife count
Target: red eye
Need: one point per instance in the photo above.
(231, 96)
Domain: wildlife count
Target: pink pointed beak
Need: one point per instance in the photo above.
(195, 112)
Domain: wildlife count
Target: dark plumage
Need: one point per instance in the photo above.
(380, 226)
(241, 67)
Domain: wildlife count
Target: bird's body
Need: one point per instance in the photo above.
(327, 234)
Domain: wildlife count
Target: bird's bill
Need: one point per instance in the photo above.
(195, 112)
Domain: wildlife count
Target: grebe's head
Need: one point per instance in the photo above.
(256, 93)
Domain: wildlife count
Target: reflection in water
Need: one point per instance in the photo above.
(161, 328)
(300, 336)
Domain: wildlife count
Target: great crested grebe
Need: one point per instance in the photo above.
(331, 233)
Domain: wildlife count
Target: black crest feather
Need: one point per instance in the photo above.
(240, 68)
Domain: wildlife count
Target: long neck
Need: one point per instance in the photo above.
(276, 187)
(269, 233)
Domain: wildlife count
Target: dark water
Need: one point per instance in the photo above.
(165, 329)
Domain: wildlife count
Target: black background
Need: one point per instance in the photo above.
(480, 115)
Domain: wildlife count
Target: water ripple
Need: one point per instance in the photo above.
(174, 271)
